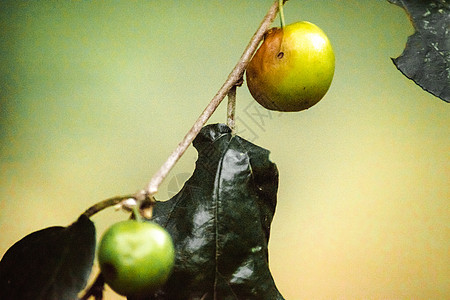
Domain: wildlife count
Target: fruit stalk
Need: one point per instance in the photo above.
(280, 8)
(233, 79)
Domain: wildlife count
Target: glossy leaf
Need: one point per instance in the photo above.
(50, 264)
(220, 221)
(426, 58)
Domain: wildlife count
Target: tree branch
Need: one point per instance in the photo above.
(145, 197)
(233, 79)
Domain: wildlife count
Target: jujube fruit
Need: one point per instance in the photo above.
(136, 258)
(292, 69)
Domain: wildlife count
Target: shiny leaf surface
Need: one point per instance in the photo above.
(220, 221)
(50, 264)
(426, 58)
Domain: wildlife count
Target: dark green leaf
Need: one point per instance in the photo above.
(220, 221)
(50, 264)
(426, 58)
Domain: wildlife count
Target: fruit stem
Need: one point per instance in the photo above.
(136, 214)
(233, 79)
(280, 8)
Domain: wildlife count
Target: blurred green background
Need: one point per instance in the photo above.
(96, 95)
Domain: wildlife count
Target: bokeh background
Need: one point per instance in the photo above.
(96, 94)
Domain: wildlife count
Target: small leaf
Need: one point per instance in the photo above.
(50, 264)
(220, 222)
(426, 58)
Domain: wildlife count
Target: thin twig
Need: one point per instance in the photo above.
(233, 78)
(105, 204)
(231, 108)
(127, 202)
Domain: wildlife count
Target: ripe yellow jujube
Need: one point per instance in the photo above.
(292, 69)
